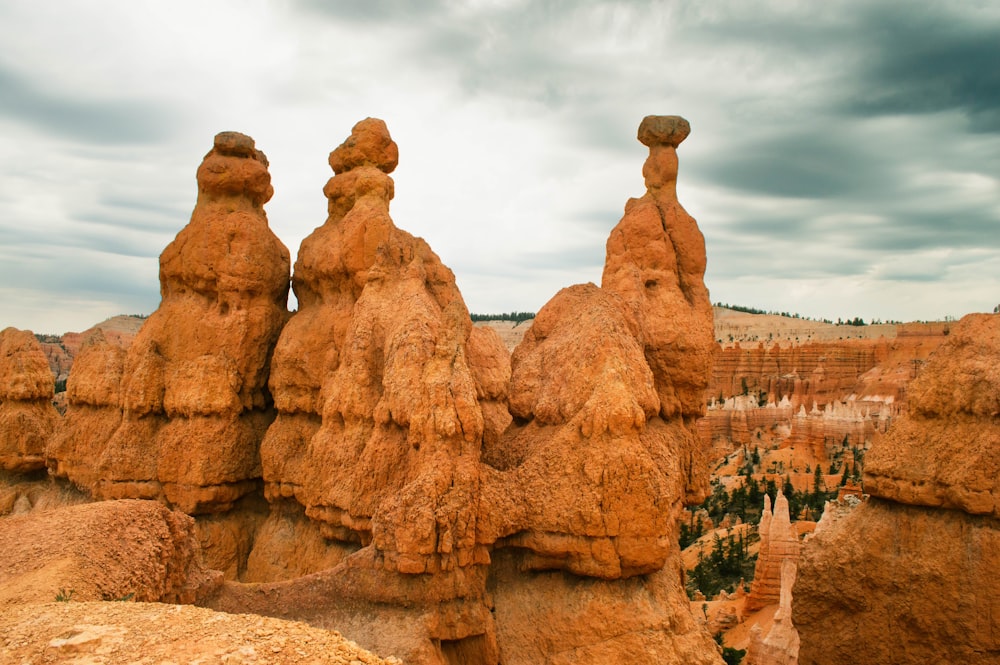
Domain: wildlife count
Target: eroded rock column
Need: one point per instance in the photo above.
(180, 416)
(27, 417)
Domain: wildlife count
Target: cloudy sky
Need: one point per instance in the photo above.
(843, 161)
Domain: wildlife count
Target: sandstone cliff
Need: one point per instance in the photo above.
(909, 575)
(27, 417)
(817, 397)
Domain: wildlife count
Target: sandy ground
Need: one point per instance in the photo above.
(112, 633)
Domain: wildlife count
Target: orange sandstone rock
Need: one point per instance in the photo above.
(378, 396)
(779, 542)
(109, 550)
(384, 393)
(418, 446)
(781, 644)
(944, 453)
(913, 568)
(185, 422)
(27, 417)
(656, 264)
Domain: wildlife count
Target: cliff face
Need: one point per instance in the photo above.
(818, 396)
(817, 372)
(27, 417)
(910, 574)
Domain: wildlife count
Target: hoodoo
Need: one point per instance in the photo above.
(376, 464)
(179, 417)
(27, 417)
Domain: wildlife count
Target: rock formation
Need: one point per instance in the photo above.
(376, 379)
(781, 645)
(602, 456)
(179, 417)
(488, 528)
(427, 492)
(27, 417)
(119, 633)
(109, 550)
(909, 576)
(779, 542)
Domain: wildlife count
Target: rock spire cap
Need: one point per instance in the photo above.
(368, 145)
(663, 130)
(236, 144)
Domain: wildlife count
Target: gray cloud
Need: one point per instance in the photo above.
(97, 121)
(930, 58)
(800, 164)
(840, 151)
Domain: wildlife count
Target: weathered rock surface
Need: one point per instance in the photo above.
(180, 415)
(375, 380)
(27, 417)
(779, 542)
(397, 440)
(552, 617)
(601, 457)
(656, 263)
(909, 576)
(945, 453)
(385, 393)
(781, 644)
(109, 550)
(428, 493)
(125, 633)
(892, 583)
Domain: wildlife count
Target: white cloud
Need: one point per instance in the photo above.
(820, 183)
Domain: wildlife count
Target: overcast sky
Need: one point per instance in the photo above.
(843, 161)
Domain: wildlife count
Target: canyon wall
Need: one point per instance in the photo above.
(909, 576)
(821, 396)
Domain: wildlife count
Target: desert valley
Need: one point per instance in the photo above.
(632, 475)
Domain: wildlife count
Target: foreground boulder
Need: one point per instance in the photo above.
(909, 576)
(109, 550)
(27, 417)
(125, 633)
